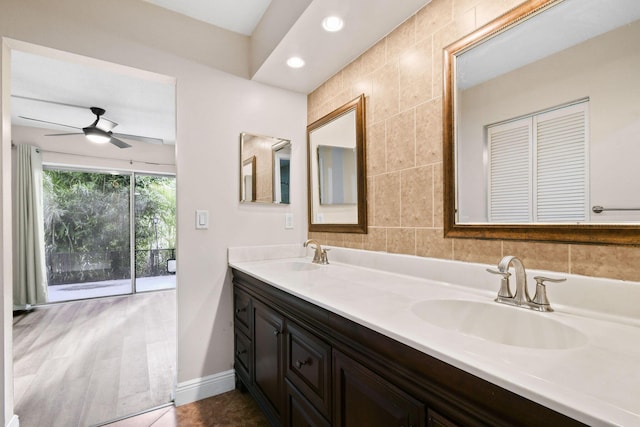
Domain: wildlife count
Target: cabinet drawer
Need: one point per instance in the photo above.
(434, 419)
(242, 310)
(308, 367)
(243, 357)
(300, 413)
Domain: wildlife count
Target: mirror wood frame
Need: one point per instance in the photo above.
(357, 104)
(565, 233)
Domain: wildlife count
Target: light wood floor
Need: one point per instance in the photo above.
(86, 362)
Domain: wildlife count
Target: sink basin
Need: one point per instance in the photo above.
(499, 323)
(295, 266)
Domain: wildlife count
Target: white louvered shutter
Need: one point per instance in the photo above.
(560, 165)
(510, 174)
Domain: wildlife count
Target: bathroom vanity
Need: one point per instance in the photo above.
(308, 366)
(345, 344)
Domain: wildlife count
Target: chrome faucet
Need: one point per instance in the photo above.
(320, 255)
(521, 298)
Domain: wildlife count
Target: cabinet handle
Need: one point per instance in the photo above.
(240, 310)
(239, 352)
(299, 364)
(276, 332)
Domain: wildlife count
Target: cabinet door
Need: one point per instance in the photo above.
(363, 398)
(268, 356)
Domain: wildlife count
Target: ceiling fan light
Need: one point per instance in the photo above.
(96, 135)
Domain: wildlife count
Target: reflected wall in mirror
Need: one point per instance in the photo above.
(542, 125)
(248, 180)
(337, 175)
(265, 169)
(336, 170)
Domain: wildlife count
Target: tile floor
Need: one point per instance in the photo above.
(232, 409)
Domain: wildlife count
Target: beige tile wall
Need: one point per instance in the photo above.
(401, 77)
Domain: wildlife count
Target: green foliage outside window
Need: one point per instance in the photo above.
(87, 227)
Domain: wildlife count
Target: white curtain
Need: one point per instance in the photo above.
(30, 278)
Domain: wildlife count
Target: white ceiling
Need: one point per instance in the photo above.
(240, 16)
(144, 104)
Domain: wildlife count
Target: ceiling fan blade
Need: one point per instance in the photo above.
(147, 139)
(118, 143)
(106, 124)
(63, 134)
(49, 102)
(51, 123)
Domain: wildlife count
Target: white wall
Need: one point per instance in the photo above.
(212, 109)
(6, 270)
(606, 70)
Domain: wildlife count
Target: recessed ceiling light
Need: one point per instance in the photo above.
(332, 23)
(295, 62)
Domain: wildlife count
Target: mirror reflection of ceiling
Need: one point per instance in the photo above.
(567, 27)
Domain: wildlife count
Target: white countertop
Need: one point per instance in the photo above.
(597, 383)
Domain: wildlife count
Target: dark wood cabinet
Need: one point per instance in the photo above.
(243, 346)
(308, 367)
(434, 419)
(300, 412)
(268, 376)
(363, 398)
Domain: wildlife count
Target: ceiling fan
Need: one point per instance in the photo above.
(100, 131)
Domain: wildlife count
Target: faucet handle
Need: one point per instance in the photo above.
(505, 289)
(324, 259)
(503, 274)
(540, 298)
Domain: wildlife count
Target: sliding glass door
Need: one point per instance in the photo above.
(155, 232)
(108, 234)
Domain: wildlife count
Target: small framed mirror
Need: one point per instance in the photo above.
(265, 164)
(336, 170)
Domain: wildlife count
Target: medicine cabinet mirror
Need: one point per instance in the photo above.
(542, 125)
(265, 165)
(336, 170)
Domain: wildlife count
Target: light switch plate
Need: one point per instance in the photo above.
(202, 220)
(288, 221)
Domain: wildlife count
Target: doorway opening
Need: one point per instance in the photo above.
(108, 233)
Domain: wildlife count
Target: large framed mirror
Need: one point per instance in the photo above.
(336, 170)
(265, 164)
(542, 125)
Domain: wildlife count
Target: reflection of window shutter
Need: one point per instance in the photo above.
(560, 169)
(538, 167)
(510, 171)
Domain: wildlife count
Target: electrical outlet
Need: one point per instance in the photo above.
(288, 221)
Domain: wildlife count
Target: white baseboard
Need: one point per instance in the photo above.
(14, 421)
(201, 388)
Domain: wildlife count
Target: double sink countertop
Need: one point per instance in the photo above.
(582, 360)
